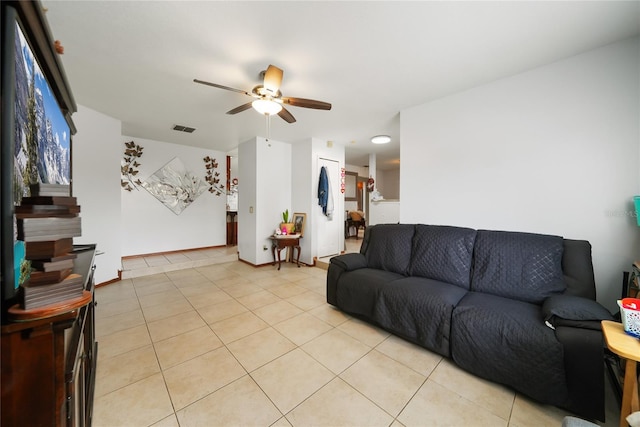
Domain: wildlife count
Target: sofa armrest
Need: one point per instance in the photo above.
(350, 262)
(574, 311)
(576, 321)
(584, 370)
(338, 265)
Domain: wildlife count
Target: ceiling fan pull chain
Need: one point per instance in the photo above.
(268, 118)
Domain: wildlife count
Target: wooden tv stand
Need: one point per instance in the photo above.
(49, 359)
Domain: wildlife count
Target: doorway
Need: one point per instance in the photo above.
(361, 193)
(328, 230)
(232, 200)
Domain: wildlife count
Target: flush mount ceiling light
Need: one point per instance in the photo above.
(381, 139)
(265, 106)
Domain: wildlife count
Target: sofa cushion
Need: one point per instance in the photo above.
(578, 269)
(522, 266)
(443, 253)
(506, 341)
(419, 309)
(388, 247)
(357, 291)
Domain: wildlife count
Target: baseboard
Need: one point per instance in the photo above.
(108, 282)
(172, 252)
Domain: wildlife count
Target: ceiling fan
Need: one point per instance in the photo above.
(268, 98)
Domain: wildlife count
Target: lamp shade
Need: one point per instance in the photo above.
(265, 106)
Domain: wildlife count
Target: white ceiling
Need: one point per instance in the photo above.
(136, 60)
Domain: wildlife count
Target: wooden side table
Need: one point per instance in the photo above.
(280, 242)
(351, 223)
(627, 347)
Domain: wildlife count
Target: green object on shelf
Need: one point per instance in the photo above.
(636, 200)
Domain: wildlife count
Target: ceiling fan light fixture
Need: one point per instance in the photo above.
(266, 106)
(268, 98)
(381, 139)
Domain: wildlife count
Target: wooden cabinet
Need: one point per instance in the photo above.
(232, 228)
(49, 362)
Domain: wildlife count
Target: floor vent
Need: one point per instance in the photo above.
(181, 128)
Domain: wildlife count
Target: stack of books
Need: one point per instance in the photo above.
(47, 222)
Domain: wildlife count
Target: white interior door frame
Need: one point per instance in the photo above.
(329, 229)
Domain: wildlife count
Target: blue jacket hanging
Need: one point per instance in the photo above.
(323, 189)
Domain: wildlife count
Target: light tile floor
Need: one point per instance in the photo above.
(160, 263)
(228, 344)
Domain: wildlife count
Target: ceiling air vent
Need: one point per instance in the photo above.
(181, 128)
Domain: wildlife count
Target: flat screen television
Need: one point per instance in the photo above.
(36, 126)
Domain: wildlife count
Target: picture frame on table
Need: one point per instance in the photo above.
(299, 220)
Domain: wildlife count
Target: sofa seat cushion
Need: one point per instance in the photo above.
(388, 247)
(357, 291)
(443, 253)
(506, 341)
(522, 266)
(420, 310)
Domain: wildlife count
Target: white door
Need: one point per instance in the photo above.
(329, 230)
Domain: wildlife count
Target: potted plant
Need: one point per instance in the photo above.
(285, 222)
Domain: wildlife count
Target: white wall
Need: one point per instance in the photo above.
(554, 150)
(247, 178)
(388, 183)
(303, 196)
(384, 212)
(360, 170)
(350, 206)
(96, 155)
(265, 179)
(150, 227)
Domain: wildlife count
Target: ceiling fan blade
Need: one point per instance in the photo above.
(222, 87)
(286, 115)
(241, 108)
(272, 79)
(307, 103)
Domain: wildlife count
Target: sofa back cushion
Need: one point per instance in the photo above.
(577, 267)
(521, 266)
(388, 247)
(443, 253)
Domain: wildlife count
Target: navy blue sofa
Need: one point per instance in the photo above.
(515, 308)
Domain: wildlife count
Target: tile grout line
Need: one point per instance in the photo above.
(240, 272)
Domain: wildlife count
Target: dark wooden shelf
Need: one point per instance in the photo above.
(49, 359)
(17, 314)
